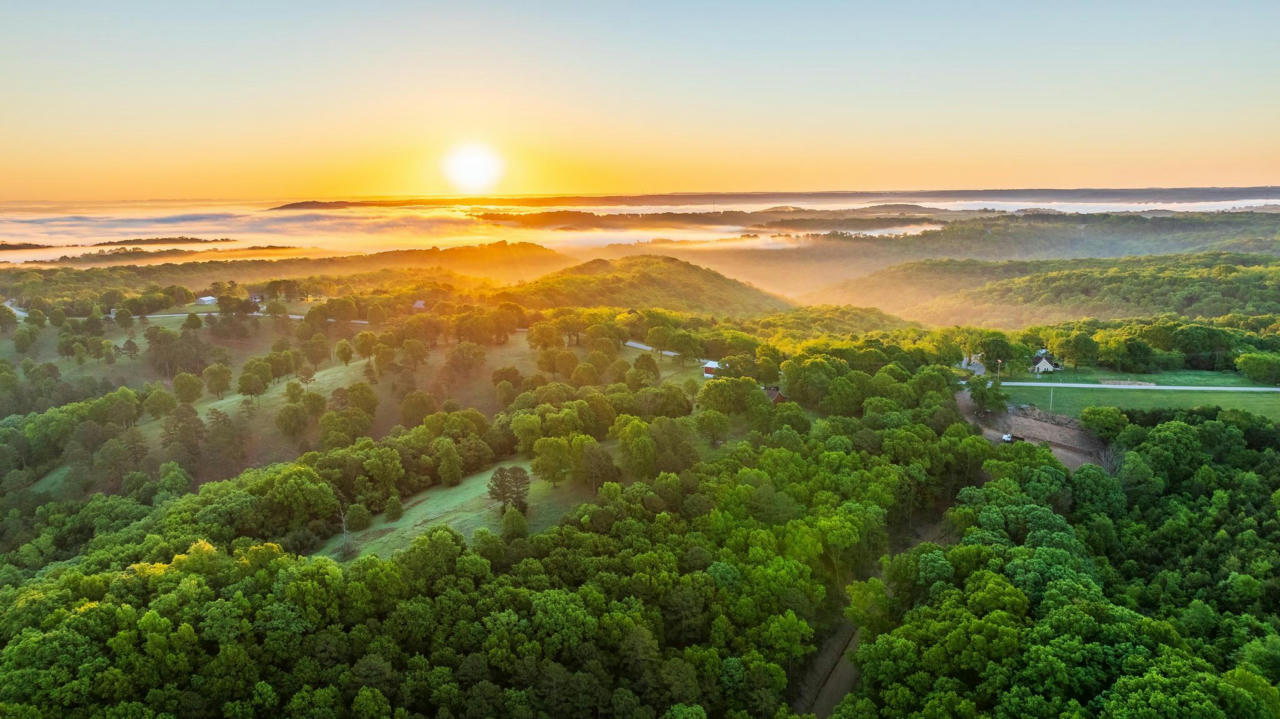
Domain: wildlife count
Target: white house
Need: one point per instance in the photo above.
(207, 300)
(1043, 365)
(709, 369)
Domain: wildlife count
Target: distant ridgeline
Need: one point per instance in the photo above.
(499, 261)
(1101, 195)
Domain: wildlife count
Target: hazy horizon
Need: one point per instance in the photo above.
(354, 227)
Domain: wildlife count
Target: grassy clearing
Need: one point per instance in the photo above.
(671, 369)
(55, 483)
(1099, 375)
(133, 372)
(477, 389)
(466, 507)
(1070, 401)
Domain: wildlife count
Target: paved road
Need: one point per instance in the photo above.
(1178, 387)
(21, 313)
(646, 348)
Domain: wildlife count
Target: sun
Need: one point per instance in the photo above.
(473, 168)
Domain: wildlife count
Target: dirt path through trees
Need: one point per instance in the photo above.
(832, 674)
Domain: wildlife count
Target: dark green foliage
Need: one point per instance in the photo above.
(1095, 595)
(510, 486)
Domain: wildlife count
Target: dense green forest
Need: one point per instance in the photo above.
(227, 510)
(1149, 591)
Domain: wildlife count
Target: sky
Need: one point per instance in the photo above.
(230, 100)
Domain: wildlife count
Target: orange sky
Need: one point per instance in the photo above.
(246, 102)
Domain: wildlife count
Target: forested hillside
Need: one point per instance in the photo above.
(499, 261)
(1017, 293)
(645, 281)
(1147, 592)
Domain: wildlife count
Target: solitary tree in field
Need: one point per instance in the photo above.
(365, 343)
(316, 349)
(217, 379)
(344, 352)
(510, 485)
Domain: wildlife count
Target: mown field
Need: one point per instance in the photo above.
(1070, 401)
(465, 507)
(1101, 375)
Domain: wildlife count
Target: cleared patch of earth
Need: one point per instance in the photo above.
(1071, 445)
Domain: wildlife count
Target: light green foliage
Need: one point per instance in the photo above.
(552, 460)
(159, 402)
(344, 351)
(1106, 422)
(217, 379)
(1261, 367)
(187, 387)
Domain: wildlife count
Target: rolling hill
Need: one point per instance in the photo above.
(644, 281)
(501, 262)
(1020, 293)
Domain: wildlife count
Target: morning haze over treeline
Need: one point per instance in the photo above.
(667, 361)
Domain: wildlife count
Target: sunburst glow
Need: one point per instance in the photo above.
(473, 168)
